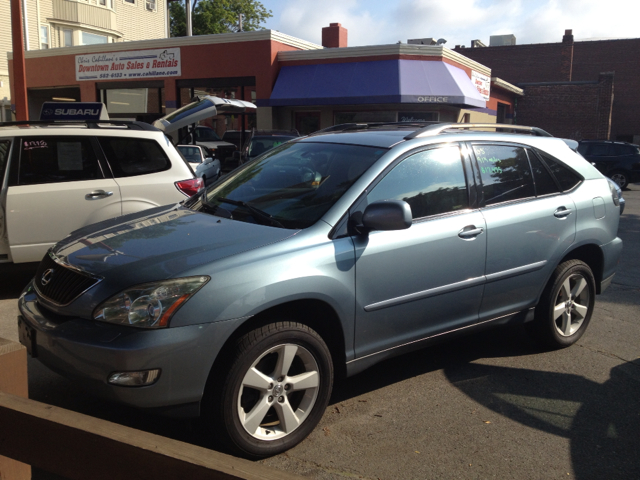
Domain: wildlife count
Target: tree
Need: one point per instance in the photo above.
(217, 16)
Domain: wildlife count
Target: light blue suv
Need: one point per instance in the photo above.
(323, 257)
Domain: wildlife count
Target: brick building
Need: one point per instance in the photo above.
(572, 88)
(294, 83)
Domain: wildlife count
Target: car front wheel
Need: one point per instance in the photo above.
(275, 392)
(566, 305)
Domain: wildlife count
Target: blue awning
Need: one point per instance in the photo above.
(383, 81)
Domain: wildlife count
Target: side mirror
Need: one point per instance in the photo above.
(386, 215)
(208, 159)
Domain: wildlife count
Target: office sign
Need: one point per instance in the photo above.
(164, 62)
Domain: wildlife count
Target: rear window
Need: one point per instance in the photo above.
(129, 157)
(566, 177)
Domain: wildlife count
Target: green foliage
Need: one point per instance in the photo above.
(217, 16)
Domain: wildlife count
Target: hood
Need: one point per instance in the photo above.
(201, 109)
(161, 243)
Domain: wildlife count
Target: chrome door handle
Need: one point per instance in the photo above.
(470, 232)
(562, 212)
(98, 194)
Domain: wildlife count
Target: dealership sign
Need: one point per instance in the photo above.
(482, 83)
(163, 62)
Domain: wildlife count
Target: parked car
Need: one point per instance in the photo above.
(236, 137)
(58, 177)
(262, 141)
(331, 253)
(620, 161)
(206, 166)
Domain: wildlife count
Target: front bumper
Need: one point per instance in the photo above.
(88, 351)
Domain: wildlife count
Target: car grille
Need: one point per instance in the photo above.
(59, 284)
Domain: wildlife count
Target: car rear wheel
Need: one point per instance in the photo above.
(275, 391)
(621, 179)
(566, 305)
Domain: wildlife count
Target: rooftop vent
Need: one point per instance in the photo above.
(500, 40)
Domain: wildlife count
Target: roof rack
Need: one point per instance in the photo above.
(343, 127)
(132, 125)
(433, 130)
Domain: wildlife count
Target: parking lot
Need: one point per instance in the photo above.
(491, 405)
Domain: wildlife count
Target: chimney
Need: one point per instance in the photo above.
(334, 36)
(568, 37)
(566, 56)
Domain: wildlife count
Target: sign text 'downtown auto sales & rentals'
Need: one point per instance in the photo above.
(127, 65)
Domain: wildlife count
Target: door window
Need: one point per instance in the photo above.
(545, 184)
(129, 157)
(505, 173)
(57, 159)
(600, 150)
(431, 182)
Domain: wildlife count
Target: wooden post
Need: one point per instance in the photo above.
(13, 380)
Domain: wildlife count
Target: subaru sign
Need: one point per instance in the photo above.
(74, 111)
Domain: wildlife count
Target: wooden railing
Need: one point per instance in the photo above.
(78, 446)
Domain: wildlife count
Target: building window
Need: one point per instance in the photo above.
(44, 36)
(151, 5)
(132, 2)
(93, 39)
(67, 38)
(103, 2)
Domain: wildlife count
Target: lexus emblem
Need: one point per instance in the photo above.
(46, 277)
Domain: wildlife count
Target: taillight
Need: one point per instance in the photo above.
(190, 187)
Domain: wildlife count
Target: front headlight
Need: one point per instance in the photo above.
(150, 305)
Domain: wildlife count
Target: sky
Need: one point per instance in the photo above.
(379, 22)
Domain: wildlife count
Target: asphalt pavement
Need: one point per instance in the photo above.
(491, 405)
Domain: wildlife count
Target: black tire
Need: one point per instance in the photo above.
(621, 178)
(560, 321)
(231, 405)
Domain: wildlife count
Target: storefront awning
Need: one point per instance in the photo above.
(384, 81)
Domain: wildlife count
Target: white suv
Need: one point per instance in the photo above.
(58, 177)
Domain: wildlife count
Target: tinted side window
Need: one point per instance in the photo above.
(505, 173)
(545, 184)
(600, 150)
(624, 150)
(566, 178)
(134, 156)
(57, 159)
(431, 182)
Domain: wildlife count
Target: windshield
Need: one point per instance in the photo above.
(259, 145)
(291, 186)
(206, 134)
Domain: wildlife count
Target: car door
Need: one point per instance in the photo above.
(56, 185)
(428, 279)
(142, 171)
(530, 224)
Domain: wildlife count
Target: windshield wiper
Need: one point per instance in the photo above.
(256, 211)
(214, 209)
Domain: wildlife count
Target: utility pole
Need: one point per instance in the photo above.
(240, 22)
(19, 80)
(188, 15)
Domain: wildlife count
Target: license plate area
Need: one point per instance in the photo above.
(27, 337)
